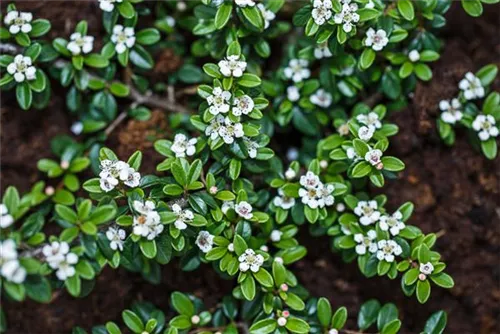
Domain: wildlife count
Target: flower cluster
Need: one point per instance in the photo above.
(114, 172)
(315, 193)
(22, 69)
(59, 258)
(322, 11)
(80, 43)
(471, 87)
(451, 111)
(183, 146)
(147, 222)
(250, 260)
(10, 268)
(18, 22)
(485, 126)
(232, 66)
(348, 17)
(123, 38)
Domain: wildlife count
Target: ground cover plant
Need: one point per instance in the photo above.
(275, 123)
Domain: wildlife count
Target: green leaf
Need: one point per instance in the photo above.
(393, 164)
(253, 15)
(423, 72)
(126, 9)
(368, 314)
(223, 15)
(473, 7)
(182, 304)
(73, 285)
(249, 80)
(387, 314)
(423, 291)
(406, 9)
(148, 36)
(248, 288)
(133, 321)
(489, 148)
(102, 214)
(443, 280)
(324, 312)
(296, 325)
(392, 327)
(487, 74)
(24, 95)
(361, 169)
(367, 58)
(436, 323)
(141, 58)
(148, 248)
(263, 326)
(66, 213)
(39, 27)
(339, 318)
(264, 278)
(96, 60)
(240, 245)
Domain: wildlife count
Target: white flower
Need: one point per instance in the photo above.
(230, 247)
(367, 211)
(290, 174)
(387, 249)
(371, 120)
(116, 237)
(18, 22)
(426, 268)
(243, 105)
(10, 267)
(252, 147)
(293, 93)
(325, 195)
(79, 44)
(310, 197)
(219, 101)
(333, 331)
(250, 260)
(370, 4)
(123, 38)
(322, 11)
(322, 51)
(182, 146)
(205, 241)
(471, 86)
(245, 3)
(297, 70)
(276, 235)
(373, 157)
(310, 180)
(348, 16)
(108, 5)
(267, 14)
(377, 40)
(183, 216)
(213, 128)
(22, 69)
(283, 201)
(244, 210)
(77, 128)
(321, 98)
(366, 133)
(451, 112)
(366, 242)
(232, 66)
(414, 55)
(5, 219)
(65, 268)
(351, 154)
(148, 223)
(226, 205)
(112, 172)
(55, 253)
(230, 131)
(485, 126)
(392, 223)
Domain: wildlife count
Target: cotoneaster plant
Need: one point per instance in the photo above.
(230, 192)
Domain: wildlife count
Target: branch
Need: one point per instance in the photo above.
(149, 99)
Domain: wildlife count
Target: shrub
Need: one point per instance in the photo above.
(230, 192)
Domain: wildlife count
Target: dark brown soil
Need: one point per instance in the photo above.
(456, 192)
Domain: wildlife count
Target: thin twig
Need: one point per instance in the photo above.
(115, 123)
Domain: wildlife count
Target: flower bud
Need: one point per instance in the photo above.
(290, 174)
(49, 191)
(195, 319)
(213, 190)
(64, 164)
(281, 321)
(278, 259)
(230, 247)
(286, 314)
(284, 287)
(380, 166)
(422, 277)
(264, 248)
(323, 164)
